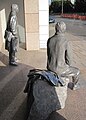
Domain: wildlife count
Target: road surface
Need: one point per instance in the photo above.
(75, 27)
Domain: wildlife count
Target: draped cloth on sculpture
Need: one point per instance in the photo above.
(49, 76)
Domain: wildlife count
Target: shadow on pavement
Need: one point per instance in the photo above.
(12, 82)
(22, 113)
(3, 58)
(56, 116)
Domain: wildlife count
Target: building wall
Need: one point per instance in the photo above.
(32, 20)
(32, 24)
(43, 22)
(1, 42)
(5, 7)
(36, 22)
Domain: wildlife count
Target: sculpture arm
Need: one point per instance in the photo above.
(68, 54)
(13, 25)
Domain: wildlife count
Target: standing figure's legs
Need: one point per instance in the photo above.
(12, 51)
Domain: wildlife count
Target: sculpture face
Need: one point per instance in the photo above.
(14, 8)
(60, 27)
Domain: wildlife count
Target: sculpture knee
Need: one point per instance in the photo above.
(75, 79)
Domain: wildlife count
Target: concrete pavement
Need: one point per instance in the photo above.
(13, 102)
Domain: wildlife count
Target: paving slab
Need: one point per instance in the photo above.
(13, 102)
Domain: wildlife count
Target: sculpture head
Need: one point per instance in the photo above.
(14, 8)
(60, 27)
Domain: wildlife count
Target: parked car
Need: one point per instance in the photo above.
(51, 20)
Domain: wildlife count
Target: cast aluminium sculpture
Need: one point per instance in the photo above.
(59, 56)
(11, 35)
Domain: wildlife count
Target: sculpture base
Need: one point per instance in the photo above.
(47, 99)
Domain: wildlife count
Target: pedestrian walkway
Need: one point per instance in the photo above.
(13, 102)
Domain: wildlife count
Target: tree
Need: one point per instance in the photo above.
(55, 7)
(80, 6)
(68, 7)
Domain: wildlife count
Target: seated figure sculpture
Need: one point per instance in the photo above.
(59, 55)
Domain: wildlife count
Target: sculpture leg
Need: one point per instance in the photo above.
(74, 73)
(75, 80)
(12, 57)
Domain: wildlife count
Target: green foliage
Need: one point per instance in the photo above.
(68, 7)
(56, 7)
(80, 6)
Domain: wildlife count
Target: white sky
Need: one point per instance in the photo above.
(72, 1)
(49, 1)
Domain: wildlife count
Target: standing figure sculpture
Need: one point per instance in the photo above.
(59, 55)
(11, 35)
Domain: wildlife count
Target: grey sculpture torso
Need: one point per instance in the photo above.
(59, 55)
(12, 26)
(12, 23)
(57, 47)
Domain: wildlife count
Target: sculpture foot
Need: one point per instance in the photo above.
(73, 86)
(13, 64)
(17, 60)
(76, 87)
